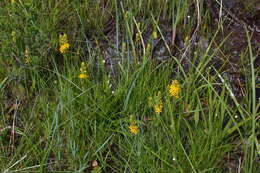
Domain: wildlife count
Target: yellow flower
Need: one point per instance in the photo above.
(133, 129)
(83, 67)
(138, 37)
(83, 71)
(12, 1)
(64, 47)
(83, 76)
(154, 35)
(174, 89)
(63, 38)
(158, 108)
(132, 120)
(13, 34)
(156, 103)
(27, 58)
(148, 47)
(64, 43)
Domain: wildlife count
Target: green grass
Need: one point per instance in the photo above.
(53, 121)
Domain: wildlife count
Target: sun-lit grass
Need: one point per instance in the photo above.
(66, 107)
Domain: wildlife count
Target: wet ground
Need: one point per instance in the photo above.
(239, 24)
(238, 17)
(234, 17)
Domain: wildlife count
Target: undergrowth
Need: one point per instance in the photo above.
(86, 110)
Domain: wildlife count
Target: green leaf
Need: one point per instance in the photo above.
(196, 115)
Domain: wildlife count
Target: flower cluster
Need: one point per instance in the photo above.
(64, 43)
(156, 103)
(154, 34)
(158, 108)
(27, 58)
(174, 89)
(133, 128)
(83, 71)
(13, 34)
(138, 37)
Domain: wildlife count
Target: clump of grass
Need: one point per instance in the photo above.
(62, 110)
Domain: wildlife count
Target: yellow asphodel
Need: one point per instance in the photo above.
(133, 129)
(83, 76)
(156, 103)
(83, 71)
(155, 36)
(174, 89)
(158, 108)
(13, 34)
(64, 43)
(27, 58)
(64, 47)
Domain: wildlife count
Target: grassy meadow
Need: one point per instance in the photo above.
(82, 90)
